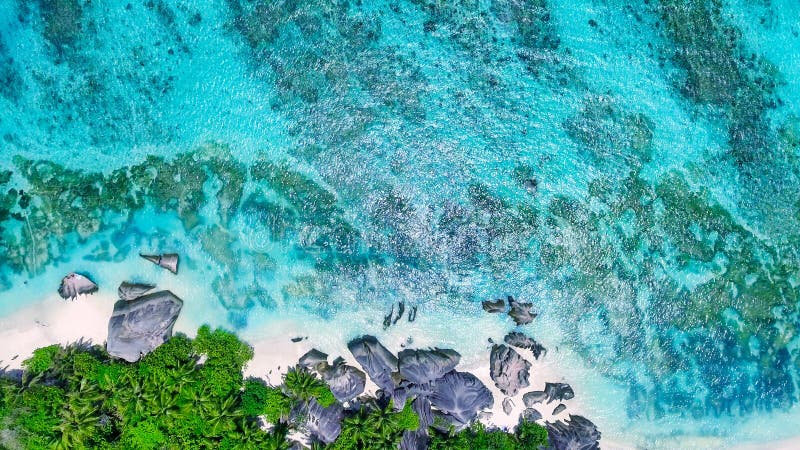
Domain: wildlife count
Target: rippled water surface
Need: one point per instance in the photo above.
(328, 159)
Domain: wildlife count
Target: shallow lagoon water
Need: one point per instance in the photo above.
(325, 160)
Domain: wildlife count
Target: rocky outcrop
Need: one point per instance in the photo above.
(74, 285)
(508, 370)
(168, 261)
(559, 409)
(534, 397)
(324, 424)
(414, 440)
(530, 415)
(137, 327)
(558, 392)
(313, 357)
(575, 433)
(422, 407)
(552, 392)
(428, 379)
(346, 382)
(132, 291)
(376, 360)
(423, 366)
(461, 395)
(520, 312)
(519, 340)
(496, 306)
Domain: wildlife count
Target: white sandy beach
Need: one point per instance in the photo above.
(55, 321)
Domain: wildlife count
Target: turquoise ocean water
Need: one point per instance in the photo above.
(328, 159)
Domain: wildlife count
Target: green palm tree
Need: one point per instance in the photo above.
(357, 428)
(383, 420)
(80, 416)
(276, 439)
(302, 384)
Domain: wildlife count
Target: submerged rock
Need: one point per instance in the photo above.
(132, 291)
(423, 366)
(461, 395)
(313, 357)
(519, 340)
(401, 308)
(575, 433)
(387, 319)
(520, 312)
(531, 185)
(534, 397)
(168, 261)
(508, 405)
(376, 360)
(324, 424)
(346, 382)
(508, 370)
(558, 391)
(496, 306)
(412, 314)
(138, 326)
(74, 285)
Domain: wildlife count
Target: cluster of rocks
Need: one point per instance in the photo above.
(392, 318)
(510, 372)
(427, 378)
(440, 395)
(520, 312)
(141, 321)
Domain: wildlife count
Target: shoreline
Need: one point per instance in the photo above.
(56, 321)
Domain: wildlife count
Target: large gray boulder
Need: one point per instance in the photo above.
(131, 291)
(414, 440)
(74, 285)
(422, 407)
(534, 397)
(167, 261)
(508, 370)
(137, 327)
(558, 392)
(576, 433)
(423, 366)
(461, 395)
(324, 424)
(496, 306)
(346, 382)
(376, 360)
(313, 357)
(519, 340)
(530, 415)
(406, 389)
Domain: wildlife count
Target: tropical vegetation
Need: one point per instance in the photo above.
(190, 393)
